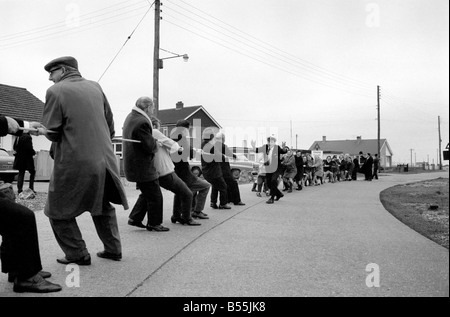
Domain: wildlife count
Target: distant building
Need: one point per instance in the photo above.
(17, 102)
(203, 119)
(353, 147)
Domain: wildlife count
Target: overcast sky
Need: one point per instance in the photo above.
(295, 68)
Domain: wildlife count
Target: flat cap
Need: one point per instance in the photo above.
(61, 61)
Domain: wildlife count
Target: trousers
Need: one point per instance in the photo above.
(20, 245)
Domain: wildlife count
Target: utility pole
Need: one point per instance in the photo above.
(291, 136)
(296, 141)
(440, 141)
(411, 156)
(378, 119)
(156, 58)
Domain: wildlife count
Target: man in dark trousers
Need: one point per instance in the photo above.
(20, 249)
(24, 160)
(85, 175)
(199, 187)
(376, 166)
(234, 195)
(139, 166)
(212, 171)
(272, 158)
(367, 167)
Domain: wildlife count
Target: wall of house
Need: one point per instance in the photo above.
(39, 143)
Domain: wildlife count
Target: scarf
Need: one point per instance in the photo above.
(139, 110)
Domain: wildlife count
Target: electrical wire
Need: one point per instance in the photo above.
(91, 23)
(126, 41)
(261, 60)
(273, 48)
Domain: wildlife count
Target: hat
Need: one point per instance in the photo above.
(183, 123)
(61, 61)
(271, 138)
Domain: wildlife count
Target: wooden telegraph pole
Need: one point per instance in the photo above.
(378, 119)
(156, 58)
(440, 141)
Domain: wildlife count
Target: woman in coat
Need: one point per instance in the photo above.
(290, 170)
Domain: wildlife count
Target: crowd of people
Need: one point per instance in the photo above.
(78, 120)
(296, 171)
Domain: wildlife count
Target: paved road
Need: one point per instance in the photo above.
(314, 243)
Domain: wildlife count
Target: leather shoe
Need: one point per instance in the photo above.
(239, 204)
(199, 215)
(214, 206)
(134, 223)
(224, 207)
(109, 255)
(190, 222)
(12, 275)
(270, 201)
(279, 197)
(35, 284)
(158, 228)
(82, 261)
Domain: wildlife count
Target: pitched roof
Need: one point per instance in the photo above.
(171, 116)
(351, 147)
(19, 103)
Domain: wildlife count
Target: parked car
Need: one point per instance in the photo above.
(7, 172)
(242, 168)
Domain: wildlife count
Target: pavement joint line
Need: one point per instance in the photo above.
(186, 246)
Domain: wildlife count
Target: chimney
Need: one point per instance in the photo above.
(324, 138)
(179, 105)
(358, 138)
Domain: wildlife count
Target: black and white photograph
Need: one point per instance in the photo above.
(224, 156)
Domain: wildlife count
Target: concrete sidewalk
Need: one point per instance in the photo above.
(316, 242)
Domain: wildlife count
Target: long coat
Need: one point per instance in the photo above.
(79, 113)
(139, 158)
(24, 153)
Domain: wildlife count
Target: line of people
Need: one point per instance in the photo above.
(303, 169)
(78, 120)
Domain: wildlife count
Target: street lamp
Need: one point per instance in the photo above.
(158, 64)
(160, 61)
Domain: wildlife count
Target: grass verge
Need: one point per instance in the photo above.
(422, 206)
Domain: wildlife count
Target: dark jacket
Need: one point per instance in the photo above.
(272, 164)
(4, 126)
(138, 158)
(24, 153)
(211, 158)
(181, 162)
(225, 163)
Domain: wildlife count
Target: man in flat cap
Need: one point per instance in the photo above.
(79, 122)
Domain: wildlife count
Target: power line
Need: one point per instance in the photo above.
(126, 41)
(59, 24)
(297, 59)
(53, 32)
(261, 60)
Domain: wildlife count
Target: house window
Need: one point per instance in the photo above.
(118, 149)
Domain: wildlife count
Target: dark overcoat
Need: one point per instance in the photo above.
(79, 114)
(24, 156)
(138, 158)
